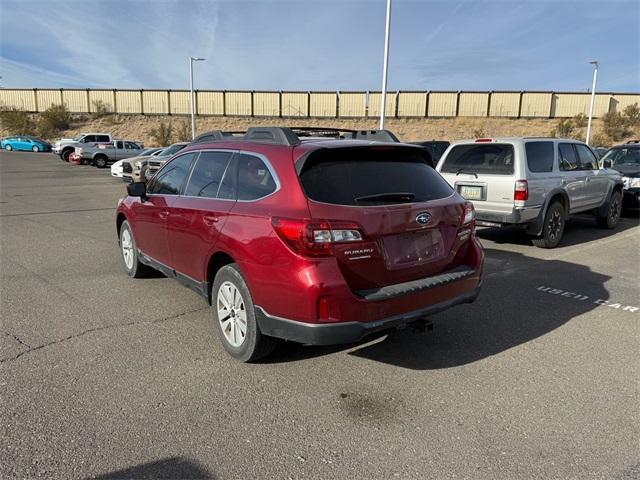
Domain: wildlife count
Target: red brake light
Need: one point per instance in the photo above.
(468, 215)
(484, 140)
(315, 237)
(521, 191)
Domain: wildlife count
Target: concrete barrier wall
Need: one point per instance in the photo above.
(321, 104)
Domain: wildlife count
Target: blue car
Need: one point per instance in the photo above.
(25, 143)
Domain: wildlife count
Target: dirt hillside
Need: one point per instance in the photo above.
(140, 127)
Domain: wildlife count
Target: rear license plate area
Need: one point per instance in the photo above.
(414, 248)
(472, 192)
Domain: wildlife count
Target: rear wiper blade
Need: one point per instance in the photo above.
(403, 196)
(461, 170)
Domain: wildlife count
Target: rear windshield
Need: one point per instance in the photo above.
(494, 158)
(371, 176)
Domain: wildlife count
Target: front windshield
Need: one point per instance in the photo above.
(623, 156)
(77, 138)
(147, 151)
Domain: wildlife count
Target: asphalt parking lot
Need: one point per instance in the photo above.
(105, 376)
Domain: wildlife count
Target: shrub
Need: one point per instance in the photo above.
(580, 120)
(632, 114)
(17, 121)
(163, 134)
(53, 120)
(100, 109)
(615, 126)
(183, 132)
(565, 128)
(478, 133)
(599, 139)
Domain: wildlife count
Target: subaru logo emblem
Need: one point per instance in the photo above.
(423, 218)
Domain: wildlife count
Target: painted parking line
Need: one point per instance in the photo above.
(585, 298)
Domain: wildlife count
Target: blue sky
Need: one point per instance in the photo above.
(320, 45)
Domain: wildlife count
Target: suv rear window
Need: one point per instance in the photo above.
(371, 176)
(494, 158)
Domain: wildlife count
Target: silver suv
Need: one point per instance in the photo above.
(532, 182)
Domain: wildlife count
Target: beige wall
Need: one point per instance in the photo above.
(322, 104)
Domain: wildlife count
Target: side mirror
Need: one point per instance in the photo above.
(137, 189)
(606, 163)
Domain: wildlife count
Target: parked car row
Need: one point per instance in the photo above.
(358, 235)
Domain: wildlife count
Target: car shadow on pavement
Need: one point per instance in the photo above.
(522, 298)
(578, 229)
(168, 468)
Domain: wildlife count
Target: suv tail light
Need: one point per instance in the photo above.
(315, 237)
(521, 191)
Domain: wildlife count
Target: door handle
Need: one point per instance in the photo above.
(163, 214)
(564, 182)
(587, 179)
(210, 220)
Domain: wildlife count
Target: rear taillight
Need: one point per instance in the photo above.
(521, 191)
(315, 237)
(468, 215)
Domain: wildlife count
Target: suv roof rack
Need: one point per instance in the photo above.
(292, 136)
(633, 141)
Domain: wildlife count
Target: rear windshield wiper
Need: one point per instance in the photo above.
(404, 197)
(461, 170)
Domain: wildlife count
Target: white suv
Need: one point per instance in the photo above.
(532, 182)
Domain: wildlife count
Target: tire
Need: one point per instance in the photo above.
(8, 147)
(101, 161)
(233, 312)
(129, 253)
(65, 154)
(614, 208)
(35, 149)
(553, 227)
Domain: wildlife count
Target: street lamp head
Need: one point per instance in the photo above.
(197, 59)
(595, 62)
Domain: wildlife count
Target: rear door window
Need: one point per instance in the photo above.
(539, 156)
(371, 176)
(210, 177)
(493, 158)
(171, 179)
(567, 157)
(587, 159)
(102, 138)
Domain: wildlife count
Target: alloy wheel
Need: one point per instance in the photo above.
(127, 248)
(615, 209)
(232, 314)
(555, 225)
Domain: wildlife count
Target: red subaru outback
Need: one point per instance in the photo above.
(314, 240)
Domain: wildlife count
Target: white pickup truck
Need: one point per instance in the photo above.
(66, 146)
(104, 154)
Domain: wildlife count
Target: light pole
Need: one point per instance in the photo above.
(385, 66)
(193, 98)
(593, 97)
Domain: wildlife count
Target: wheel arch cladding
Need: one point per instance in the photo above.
(216, 262)
(119, 221)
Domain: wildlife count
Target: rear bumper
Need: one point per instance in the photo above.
(515, 216)
(348, 332)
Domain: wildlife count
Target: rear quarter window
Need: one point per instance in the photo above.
(539, 156)
(371, 176)
(493, 158)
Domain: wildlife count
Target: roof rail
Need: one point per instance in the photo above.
(633, 141)
(292, 136)
(277, 135)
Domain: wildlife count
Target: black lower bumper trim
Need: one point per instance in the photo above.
(347, 332)
(391, 291)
